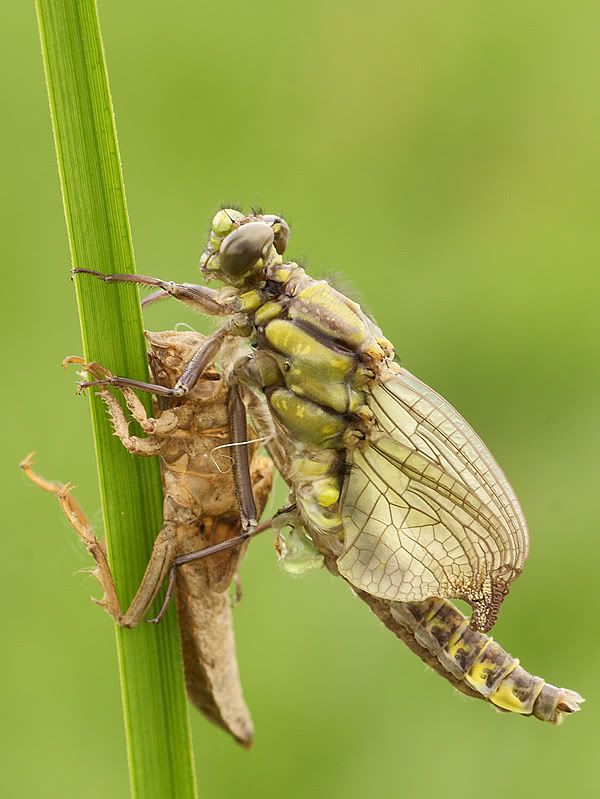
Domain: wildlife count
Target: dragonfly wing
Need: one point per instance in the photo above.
(427, 510)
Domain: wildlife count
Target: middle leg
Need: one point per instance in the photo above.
(201, 360)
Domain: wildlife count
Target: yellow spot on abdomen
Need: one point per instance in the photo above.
(504, 697)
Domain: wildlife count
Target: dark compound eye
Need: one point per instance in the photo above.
(281, 231)
(287, 366)
(243, 247)
(281, 237)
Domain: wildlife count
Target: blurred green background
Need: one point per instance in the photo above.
(445, 158)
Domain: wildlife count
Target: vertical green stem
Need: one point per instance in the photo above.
(155, 710)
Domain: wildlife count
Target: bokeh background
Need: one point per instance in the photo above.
(445, 158)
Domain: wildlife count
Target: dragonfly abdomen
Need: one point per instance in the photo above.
(482, 664)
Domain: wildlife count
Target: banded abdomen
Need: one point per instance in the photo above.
(472, 661)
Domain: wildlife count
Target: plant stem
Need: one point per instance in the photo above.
(155, 710)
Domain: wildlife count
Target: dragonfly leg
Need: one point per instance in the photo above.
(198, 554)
(167, 598)
(238, 435)
(209, 301)
(155, 296)
(201, 360)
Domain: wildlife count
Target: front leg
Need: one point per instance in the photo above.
(159, 565)
(202, 298)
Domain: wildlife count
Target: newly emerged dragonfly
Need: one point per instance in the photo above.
(389, 484)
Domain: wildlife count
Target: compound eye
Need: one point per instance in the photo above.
(224, 221)
(243, 247)
(281, 232)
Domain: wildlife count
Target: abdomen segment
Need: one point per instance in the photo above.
(472, 661)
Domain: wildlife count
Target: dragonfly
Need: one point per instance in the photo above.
(389, 485)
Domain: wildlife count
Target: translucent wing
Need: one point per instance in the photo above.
(427, 510)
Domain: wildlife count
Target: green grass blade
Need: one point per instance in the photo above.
(155, 710)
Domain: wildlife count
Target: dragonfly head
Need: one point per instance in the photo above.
(240, 247)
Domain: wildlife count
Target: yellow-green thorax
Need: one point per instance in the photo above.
(315, 353)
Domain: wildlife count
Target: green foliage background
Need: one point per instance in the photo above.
(444, 158)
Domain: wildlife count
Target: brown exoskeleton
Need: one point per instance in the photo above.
(200, 510)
